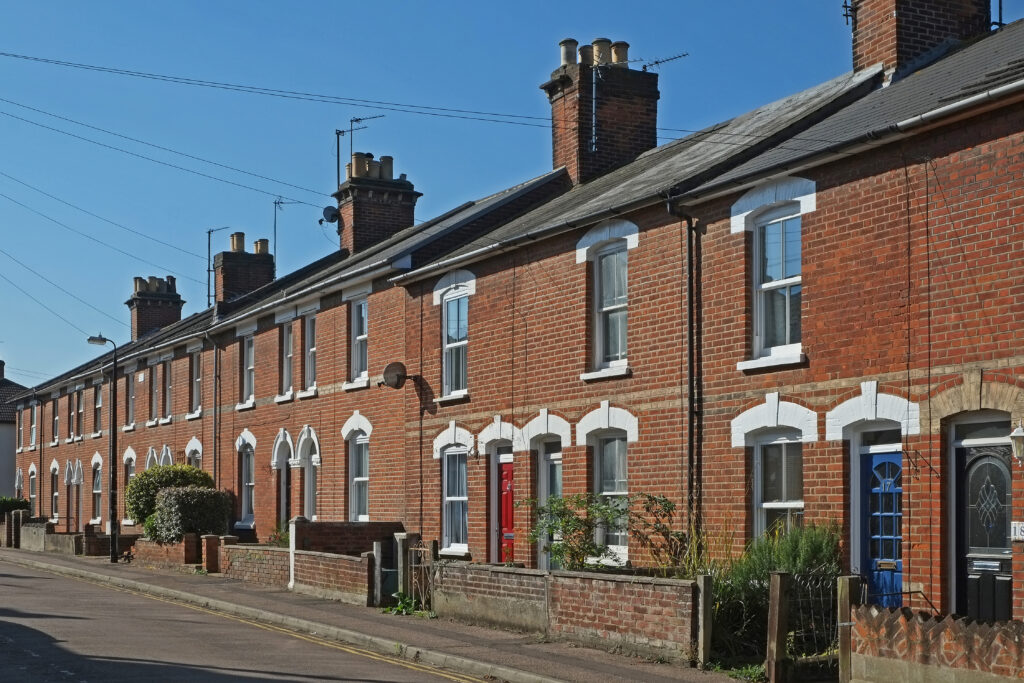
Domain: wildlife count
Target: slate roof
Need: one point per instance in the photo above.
(8, 390)
(695, 157)
(990, 62)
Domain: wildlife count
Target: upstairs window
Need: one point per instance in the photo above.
(154, 394)
(287, 353)
(80, 407)
(248, 369)
(71, 416)
(19, 428)
(33, 415)
(456, 342)
(777, 286)
(129, 398)
(97, 408)
(195, 397)
(165, 376)
(611, 287)
(55, 421)
(309, 353)
(360, 333)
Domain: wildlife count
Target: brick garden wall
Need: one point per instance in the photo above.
(256, 564)
(189, 551)
(339, 577)
(344, 538)
(647, 616)
(903, 645)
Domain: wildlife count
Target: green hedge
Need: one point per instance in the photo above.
(182, 510)
(10, 504)
(140, 496)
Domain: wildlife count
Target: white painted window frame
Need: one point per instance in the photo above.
(358, 442)
(600, 320)
(448, 545)
(131, 378)
(128, 463)
(360, 338)
(782, 437)
(247, 468)
(454, 295)
(97, 491)
(33, 487)
(55, 421)
(195, 397)
(309, 353)
(79, 412)
(776, 215)
(54, 491)
(97, 409)
(600, 439)
(33, 424)
(286, 386)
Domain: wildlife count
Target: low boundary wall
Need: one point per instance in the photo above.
(643, 615)
(903, 645)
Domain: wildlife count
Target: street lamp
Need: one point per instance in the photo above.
(100, 340)
(1017, 442)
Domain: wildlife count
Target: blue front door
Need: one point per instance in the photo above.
(882, 543)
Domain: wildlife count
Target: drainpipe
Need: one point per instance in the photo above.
(694, 396)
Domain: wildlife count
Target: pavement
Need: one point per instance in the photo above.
(473, 650)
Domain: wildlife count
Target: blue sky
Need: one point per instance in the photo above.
(464, 55)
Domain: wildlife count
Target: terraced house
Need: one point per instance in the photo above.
(809, 312)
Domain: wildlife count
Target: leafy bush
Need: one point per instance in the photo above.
(140, 496)
(182, 510)
(570, 528)
(10, 504)
(741, 587)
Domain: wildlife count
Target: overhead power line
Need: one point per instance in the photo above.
(155, 161)
(98, 241)
(69, 293)
(161, 147)
(18, 287)
(105, 220)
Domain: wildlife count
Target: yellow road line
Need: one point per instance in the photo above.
(369, 654)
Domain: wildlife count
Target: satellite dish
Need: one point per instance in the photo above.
(394, 375)
(331, 214)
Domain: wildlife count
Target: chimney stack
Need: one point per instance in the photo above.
(372, 204)
(155, 304)
(903, 34)
(591, 137)
(237, 272)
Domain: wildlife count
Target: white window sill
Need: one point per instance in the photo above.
(70, 439)
(194, 415)
(151, 423)
(607, 373)
(779, 360)
(359, 383)
(462, 395)
(53, 520)
(306, 393)
(285, 397)
(18, 450)
(166, 420)
(78, 438)
(54, 443)
(127, 522)
(128, 428)
(95, 435)
(248, 405)
(455, 551)
(97, 520)
(245, 524)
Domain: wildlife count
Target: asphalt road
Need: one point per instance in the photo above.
(54, 628)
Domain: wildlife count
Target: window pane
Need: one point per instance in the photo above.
(455, 367)
(359, 359)
(455, 319)
(359, 322)
(613, 279)
(884, 436)
(360, 459)
(794, 472)
(792, 247)
(615, 335)
(774, 307)
(771, 252)
(555, 478)
(360, 498)
(613, 466)
(983, 430)
(771, 473)
(794, 314)
(457, 521)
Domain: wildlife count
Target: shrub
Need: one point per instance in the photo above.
(569, 527)
(741, 586)
(140, 496)
(182, 510)
(10, 504)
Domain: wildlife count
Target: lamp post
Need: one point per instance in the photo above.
(100, 340)
(1017, 442)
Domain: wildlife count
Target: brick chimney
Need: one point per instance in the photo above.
(372, 203)
(899, 33)
(590, 141)
(237, 272)
(154, 304)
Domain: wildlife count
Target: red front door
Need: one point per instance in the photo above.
(506, 516)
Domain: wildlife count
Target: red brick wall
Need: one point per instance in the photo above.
(635, 614)
(188, 551)
(344, 538)
(342, 576)
(255, 564)
(900, 644)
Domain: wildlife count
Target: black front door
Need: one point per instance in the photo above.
(984, 563)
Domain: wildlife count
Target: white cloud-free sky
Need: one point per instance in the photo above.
(479, 56)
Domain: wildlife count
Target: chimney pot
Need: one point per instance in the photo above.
(238, 241)
(261, 246)
(360, 164)
(586, 55)
(387, 167)
(153, 285)
(373, 170)
(140, 284)
(568, 46)
(2, 369)
(154, 305)
(602, 50)
(348, 170)
(620, 54)
(172, 286)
